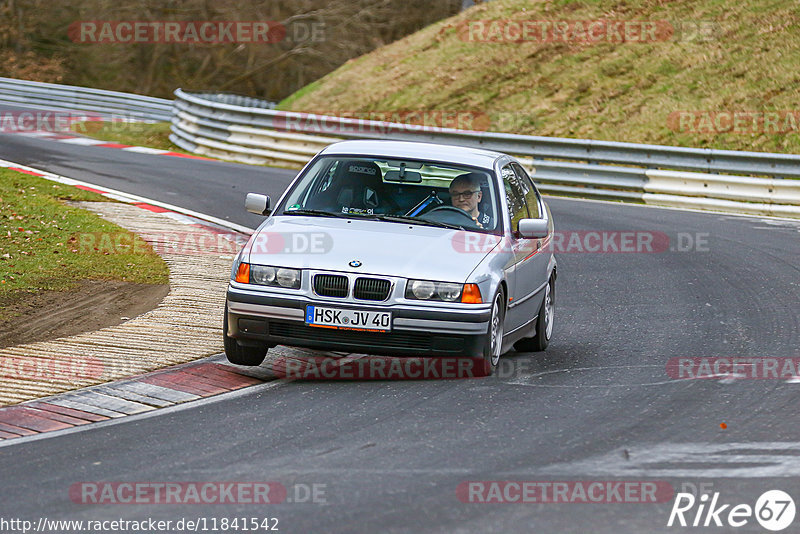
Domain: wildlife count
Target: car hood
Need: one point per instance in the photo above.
(382, 248)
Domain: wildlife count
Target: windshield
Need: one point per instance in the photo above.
(403, 191)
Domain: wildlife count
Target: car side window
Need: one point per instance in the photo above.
(515, 196)
(322, 173)
(529, 190)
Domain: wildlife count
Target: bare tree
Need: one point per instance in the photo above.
(319, 36)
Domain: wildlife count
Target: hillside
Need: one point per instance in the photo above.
(684, 69)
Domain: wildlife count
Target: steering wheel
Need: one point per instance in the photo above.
(446, 210)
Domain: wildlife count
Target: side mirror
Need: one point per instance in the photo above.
(258, 204)
(533, 228)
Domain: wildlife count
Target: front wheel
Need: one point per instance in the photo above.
(493, 345)
(238, 354)
(544, 323)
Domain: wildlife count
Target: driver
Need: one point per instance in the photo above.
(466, 194)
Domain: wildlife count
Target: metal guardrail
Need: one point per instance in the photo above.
(253, 131)
(753, 196)
(57, 97)
(602, 152)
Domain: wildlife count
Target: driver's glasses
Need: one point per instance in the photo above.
(465, 195)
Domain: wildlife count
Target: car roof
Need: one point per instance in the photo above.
(475, 157)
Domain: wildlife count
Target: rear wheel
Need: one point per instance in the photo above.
(238, 354)
(494, 337)
(544, 323)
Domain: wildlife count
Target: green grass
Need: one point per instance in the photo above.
(46, 244)
(155, 135)
(746, 61)
(286, 103)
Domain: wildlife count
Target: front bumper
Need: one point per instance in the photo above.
(257, 316)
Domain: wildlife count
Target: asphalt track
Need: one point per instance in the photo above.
(389, 455)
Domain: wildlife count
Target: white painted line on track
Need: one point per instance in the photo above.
(144, 150)
(35, 134)
(82, 141)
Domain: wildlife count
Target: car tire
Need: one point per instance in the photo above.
(238, 354)
(493, 344)
(544, 323)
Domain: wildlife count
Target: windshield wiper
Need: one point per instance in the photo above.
(415, 220)
(317, 213)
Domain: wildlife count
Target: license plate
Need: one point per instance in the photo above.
(348, 319)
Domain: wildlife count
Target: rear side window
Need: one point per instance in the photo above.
(515, 196)
(529, 191)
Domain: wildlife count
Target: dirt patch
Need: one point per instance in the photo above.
(93, 305)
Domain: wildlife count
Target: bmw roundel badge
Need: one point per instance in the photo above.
(355, 263)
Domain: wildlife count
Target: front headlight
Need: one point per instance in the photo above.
(267, 275)
(428, 290)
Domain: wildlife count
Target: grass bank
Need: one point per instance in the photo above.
(48, 245)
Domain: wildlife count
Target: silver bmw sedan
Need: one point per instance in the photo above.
(397, 249)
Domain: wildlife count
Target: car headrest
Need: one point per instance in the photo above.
(358, 172)
(358, 185)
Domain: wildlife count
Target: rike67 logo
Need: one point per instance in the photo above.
(774, 510)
